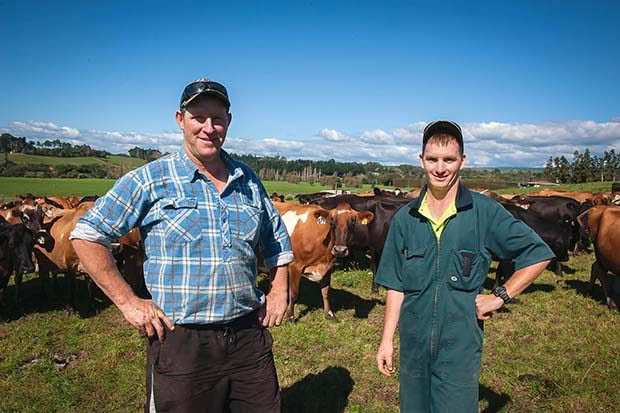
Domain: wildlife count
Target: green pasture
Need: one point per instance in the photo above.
(10, 188)
(127, 162)
(556, 350)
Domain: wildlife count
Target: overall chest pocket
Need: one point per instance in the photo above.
(181, 219)
(464, 273)
(416, 274)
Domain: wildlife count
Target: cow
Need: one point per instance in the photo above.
(30, 215)
(60, 256)
(560, 210)
(602, 225)
(16, 245)
(129, 255)
(62, 202)
(275, 197)
(577, 196)
(557, 236)
(311, 198)
(318, 237)
(383, 210)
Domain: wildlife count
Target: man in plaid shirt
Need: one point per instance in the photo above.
(202, 216)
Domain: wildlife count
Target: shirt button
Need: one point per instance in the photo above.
(453, 278)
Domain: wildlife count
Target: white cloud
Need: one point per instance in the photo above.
(47, 129)
(377, 137)
(486, 143)
(333, 135)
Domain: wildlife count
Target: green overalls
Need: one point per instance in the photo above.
(440, 335)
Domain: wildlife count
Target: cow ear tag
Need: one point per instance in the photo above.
(364, 221)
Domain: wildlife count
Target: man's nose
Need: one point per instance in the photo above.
(208, 125)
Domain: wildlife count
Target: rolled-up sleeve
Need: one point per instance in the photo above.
(275, 243)
(115, 213)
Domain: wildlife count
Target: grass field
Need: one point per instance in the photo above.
(10, 188)
(556, 350)
(127, 162)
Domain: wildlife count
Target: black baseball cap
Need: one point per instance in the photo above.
(204, 86)
(443, 126)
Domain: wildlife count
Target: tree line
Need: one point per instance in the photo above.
(584, 167)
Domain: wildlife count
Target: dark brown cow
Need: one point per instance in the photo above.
(275, 197)
(318, 237)
(130, 262)
(30, 215)
(602, 225)
(16, 244)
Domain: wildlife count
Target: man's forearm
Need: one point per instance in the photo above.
(100, 265)
(522, 278)
(279, 278)
(393, 303)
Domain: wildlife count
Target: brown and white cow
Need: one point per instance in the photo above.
(60, 257)
(602, 225)
(318, 237)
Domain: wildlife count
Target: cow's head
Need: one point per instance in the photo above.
(32, 217)
(345, 223)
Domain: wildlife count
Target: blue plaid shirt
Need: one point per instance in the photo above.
(200, 263)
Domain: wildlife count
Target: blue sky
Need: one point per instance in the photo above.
(353, 81)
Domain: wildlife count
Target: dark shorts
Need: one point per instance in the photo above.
(206, 368)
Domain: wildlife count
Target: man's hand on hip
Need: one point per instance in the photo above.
(146, 317)
(486, 305)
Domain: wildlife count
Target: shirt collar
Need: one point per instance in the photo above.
(234, 170)
(463, 199)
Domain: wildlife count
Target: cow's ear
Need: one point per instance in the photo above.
(365, 217)
(322, 216)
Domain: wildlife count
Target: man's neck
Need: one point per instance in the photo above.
(214, 168)
(439, 200)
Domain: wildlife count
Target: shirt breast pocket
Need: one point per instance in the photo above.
(464, 273)
(182, 219)
(415, 272)
(246, 223)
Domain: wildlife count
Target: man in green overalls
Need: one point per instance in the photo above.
(434, 263)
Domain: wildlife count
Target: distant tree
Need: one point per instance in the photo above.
(4, 146)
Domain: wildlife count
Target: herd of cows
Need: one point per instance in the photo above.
(34, 236)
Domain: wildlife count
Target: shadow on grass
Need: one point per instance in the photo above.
(310, 296)
(495, 400)
(325, 392)
(585, 289)
(567, 270)
(55, 299)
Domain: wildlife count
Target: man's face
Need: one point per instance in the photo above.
(442, 164)
(204, 124)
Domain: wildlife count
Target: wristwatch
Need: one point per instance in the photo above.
(500, 291)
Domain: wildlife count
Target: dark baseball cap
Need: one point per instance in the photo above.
(204, 86)
(443, 126)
